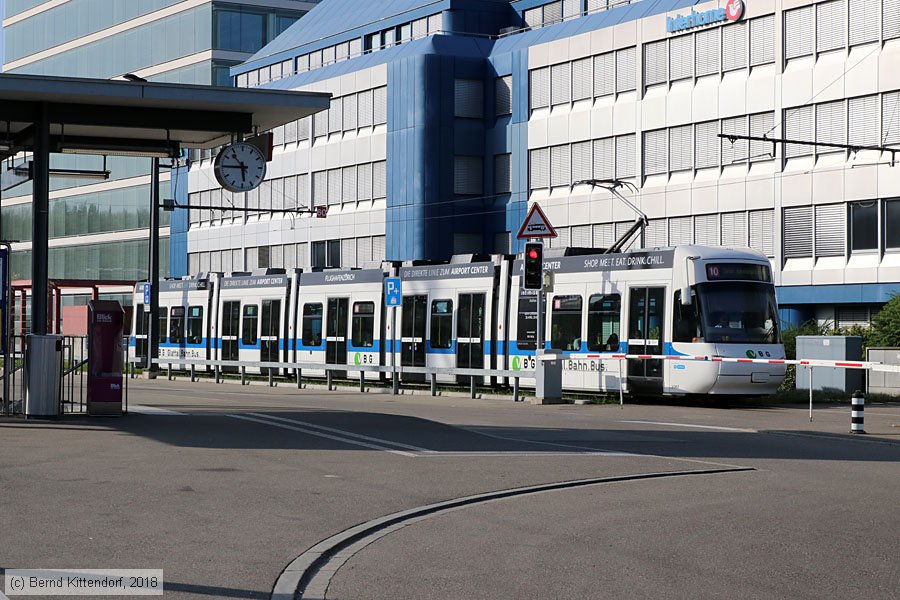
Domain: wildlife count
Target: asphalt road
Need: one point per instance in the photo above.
(223, 486)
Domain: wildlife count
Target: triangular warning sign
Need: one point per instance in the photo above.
(536, 225)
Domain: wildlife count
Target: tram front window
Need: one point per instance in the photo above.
(739, 312)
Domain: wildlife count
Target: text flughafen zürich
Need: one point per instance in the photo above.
(733, 11)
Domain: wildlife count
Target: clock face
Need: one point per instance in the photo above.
(240, 167)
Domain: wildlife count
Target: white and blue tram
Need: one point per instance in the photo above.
(252, 318)
(186, 310)
(689, 300)
(454, 315)
(473, 313)
(339, 319)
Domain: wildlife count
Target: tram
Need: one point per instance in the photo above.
(474, 313)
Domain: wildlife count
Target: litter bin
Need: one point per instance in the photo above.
(43, 366)
(106, 324)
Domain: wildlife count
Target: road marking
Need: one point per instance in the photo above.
(155, 410)
(308, 431)
(520, 453)
(342, 432)
(692, 426)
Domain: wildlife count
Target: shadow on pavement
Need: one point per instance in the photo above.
(333, 430)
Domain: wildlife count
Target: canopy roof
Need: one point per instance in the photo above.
(117, 115)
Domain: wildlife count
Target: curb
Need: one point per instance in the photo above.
(296, 577)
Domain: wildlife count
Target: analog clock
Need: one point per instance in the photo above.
(240, 167)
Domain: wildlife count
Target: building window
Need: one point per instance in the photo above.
(539, 168)
(626, 69)
(560, 84)
(799, 125)
(798, 240)
(655, 152)
(734, 46)
(762, 231)
(892, 224)
(468, 98)
(706, 144)
(830, 229)
(560, 166)
(626, 156)
(581, 161)
(582, 87)
(655, 60)
(604, 74)
(326, 254)
(863, 27)
(604, 158)
(799, 29)
(539, 88)
(830, 25)
(503, 173)
(760, 125)
(864, 225)
(890, 116)
(503, 96)
(831, 128)
(467, 175)
(762, 40)
(680, 146)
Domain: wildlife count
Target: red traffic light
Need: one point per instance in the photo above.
(532, 253)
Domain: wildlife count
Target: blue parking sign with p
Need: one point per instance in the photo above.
(392, 291)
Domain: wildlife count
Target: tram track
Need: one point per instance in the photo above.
(308, 576)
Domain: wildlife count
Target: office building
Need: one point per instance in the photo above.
(99, 229)
(449, 118)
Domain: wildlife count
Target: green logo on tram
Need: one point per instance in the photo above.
(516, 363)
(357, 359)
(751, 354)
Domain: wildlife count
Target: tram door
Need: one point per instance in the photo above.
(231, 318)
(269, 339)
(470, 335)
(412, 335)
(646, 311)
(336, 333)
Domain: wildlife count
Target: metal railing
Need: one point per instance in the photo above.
(270, 370)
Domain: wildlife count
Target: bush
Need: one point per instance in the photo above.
(885, 330)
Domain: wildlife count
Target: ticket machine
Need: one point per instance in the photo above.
(106, 326)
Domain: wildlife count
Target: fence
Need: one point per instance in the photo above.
(73, 367)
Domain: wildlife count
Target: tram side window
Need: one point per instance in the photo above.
(251, 318)
(312, 325)
(603, 326)
(195, 325)
(176, 325)
(363, 325)
(526, 329)
(163, 317)
(442, 324)
(686, 322)
(565, 327)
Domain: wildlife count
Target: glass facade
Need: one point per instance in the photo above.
(202, 27)
(157, 42)
(87, 214)
(72, 20)
(125, 260)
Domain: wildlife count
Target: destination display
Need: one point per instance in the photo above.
(328, 277)
(738, 272)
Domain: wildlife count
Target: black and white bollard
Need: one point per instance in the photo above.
(857, 416)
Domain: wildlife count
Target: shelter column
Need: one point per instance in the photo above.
(40, 231)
